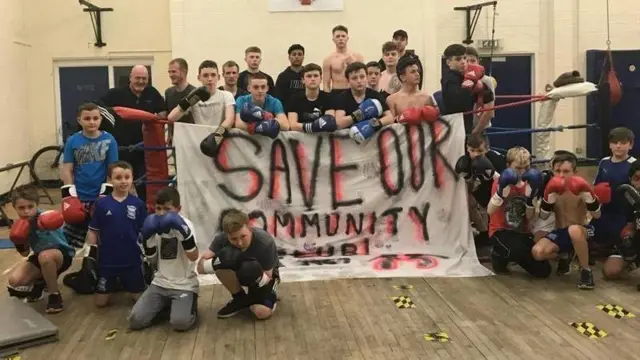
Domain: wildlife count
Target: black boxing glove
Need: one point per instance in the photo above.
(482, 168)
(195, 96)
(209, 145)
(463, 167)
(251, 274)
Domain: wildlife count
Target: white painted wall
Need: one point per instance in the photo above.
(556, 32)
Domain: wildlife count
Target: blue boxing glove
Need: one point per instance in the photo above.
(325, 123)
(534, 185)
(369, 108)
(251, 114)
(173, 222)
(508, 178)
(268, 128)
(363, 130)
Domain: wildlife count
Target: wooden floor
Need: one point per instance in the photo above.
(498, 317)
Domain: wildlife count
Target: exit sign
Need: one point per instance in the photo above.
(488, 44)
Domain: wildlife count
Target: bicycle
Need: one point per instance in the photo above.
(45, 166)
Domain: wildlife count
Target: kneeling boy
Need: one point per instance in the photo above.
(40, 231)
(175, 284)
(244, 256)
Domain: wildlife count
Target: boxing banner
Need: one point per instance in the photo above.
(391, 207)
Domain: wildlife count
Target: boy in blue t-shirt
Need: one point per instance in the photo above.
(114, 238)
(37, 235)
(259, 112)
(87, 155)
(614, 170)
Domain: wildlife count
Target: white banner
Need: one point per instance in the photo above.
(392, 207)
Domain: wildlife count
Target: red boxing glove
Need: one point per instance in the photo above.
(411, 116)
(603, 192)
(580, 187)
(50, 220)
(472, 75)
(555, 187)
(20, 231)
(430, 113)
(72, 209)
(627, 231)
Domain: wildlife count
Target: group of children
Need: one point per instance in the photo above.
(537, 216)
(151, 256)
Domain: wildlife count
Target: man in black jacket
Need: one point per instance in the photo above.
(401, 38)
(289, 81)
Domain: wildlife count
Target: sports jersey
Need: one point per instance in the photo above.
(175, 270)
(118, 224)
(271, 104)
(613, 215)
(91, 158)
(41, 240)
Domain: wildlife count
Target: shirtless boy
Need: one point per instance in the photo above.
(335, 64)
(409, 96)
(569, 196)
(389, 81)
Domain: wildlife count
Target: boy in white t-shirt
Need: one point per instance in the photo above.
(170, 242)
(207, 104)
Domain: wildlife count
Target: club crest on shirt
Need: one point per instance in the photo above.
(131, 212)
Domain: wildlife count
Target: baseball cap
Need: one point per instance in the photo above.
(400, 33)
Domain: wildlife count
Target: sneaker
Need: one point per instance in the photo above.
(54, 305)
(236, 305)
(564, 264)
(36, 292)
(499, 264)
(586, 280)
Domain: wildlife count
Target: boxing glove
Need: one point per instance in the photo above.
(602, 192)
(325, 123)
(627, 246)
(482, 168)
(73, 211)
(251, 275)
(472, 75)
(546, 176)
(631, 194)
(411, 116)
(312, 116)
(89, 268)
(195, 96)
(463, 167)
(534, 184)
(555, 187)
(507, 179)
(363, 130)
(150, 226)
(227, 258)
(580, 187)
(209, 145)
(430, 113)
(251, 114)
(50, 220)
(268, 128)
(173, 221)
(105, 190)
(19, 233)
(368, 109)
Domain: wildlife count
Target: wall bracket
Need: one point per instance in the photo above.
(95, 13)
(472, 21)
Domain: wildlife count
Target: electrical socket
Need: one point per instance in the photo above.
(579, 151)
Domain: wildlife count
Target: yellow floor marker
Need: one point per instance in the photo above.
(589, 330)
(616, 311)
(403, 287)
(403, 302)
(437, 336)
(111, 334)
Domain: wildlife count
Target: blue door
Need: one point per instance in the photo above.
(513, 74)
(627, 66)
(79, 85)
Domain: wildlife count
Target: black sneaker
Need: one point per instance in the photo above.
(54, 305)
(36, 292)
(236, 305)
(499, 263)
(586, 280)
(564, 263)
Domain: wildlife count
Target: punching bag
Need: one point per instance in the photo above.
(615, 88)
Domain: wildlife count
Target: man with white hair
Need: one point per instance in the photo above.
(138, 94)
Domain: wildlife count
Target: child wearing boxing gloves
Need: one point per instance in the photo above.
(360, 109)
(114, 239)
(570, 197)
(614, 170)
(244, 257)
(511, 210)
(624, 252)
(38, 235)
(462, 85)
(259, 112)
(87, 155)
(169, 242)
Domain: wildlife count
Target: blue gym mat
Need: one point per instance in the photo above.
(6, 244)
